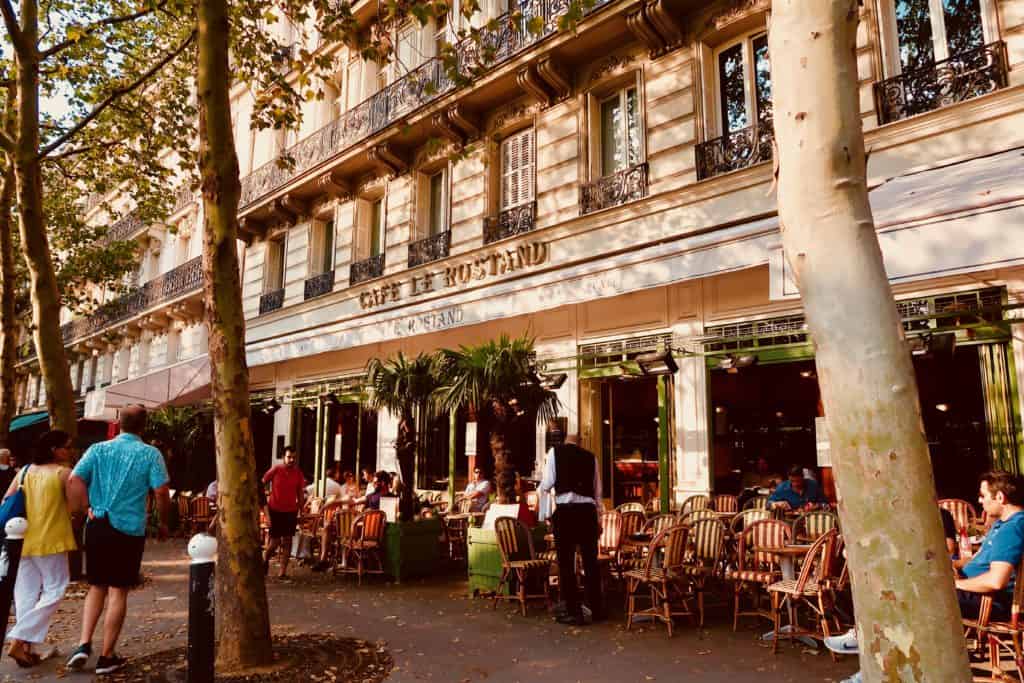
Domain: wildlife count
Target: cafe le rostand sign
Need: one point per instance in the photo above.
(456, 275)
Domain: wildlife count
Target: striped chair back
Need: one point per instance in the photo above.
(811, 525)
(611, 532)
(513, 539)
(768, 533)
(698, 502)
(725, 502)
(463, 505)
(756, 503)
(631, 507)
(200, 507)
(816, 564)
(746, 518)
(369, 526)
(313, 505)
(674, 543)
(183, 508)
(707, 538)
(695, 515)
(655, 525)
(963, 512)
(344, 518)
(632, 522)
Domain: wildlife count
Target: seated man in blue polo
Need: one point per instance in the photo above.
(992, 569)
(797, 493)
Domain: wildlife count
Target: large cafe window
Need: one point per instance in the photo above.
(618, 173)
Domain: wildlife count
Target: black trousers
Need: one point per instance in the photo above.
(576, 527)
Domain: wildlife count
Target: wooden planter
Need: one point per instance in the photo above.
(412, 549)
(485, 558)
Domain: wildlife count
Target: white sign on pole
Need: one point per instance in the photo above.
(821, 440)
(337, 447)
(470, 439)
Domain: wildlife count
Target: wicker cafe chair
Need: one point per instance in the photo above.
(756, 503)
(518, 559)
(632, 523)
(631, 507)
(365, 544)
(707, 548)
(755, 569)
(456, 533)
(609, 543)
(200, 514)
(693, 516)
(809, 588)
(811, 525)
(184, 515)
(342, 521)
(725, 502)
(1002, 636)
(656, 525)
(746, 518)
(662, 583)
(698, 502)
(963, 513)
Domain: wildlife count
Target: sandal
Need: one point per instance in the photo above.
(19, 653)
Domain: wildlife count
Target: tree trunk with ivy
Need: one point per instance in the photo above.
(53, 362)
(8, 321)
(243, 622)
(907, 614)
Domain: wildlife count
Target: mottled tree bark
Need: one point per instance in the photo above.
(907, 615)
(243, 622)
(53, 362)
(8, 321)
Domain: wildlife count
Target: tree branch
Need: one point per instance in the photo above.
(82, 150)
(115, 94)
(92, 28)
(13, 29)
(6, 141)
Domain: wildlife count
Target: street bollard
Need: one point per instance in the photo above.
(202, 548)
(10, 558)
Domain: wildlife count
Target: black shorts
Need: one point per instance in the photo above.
(282, 524)
(112, 558)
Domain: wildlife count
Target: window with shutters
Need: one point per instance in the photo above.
(321, 247)
(438, 220)
(273, 265)
(370, 218)
(517, 169)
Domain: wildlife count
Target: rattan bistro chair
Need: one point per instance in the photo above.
(746, 518)
(810, 526)
(184, 515)
(964, 515)
(698, 502)
(519, 560)
(755, 569)
(707, 548)
(756, 503)
(809, 589)
(631, 507)
(609, 543)
(364, 545)
(200, 514)
(661, 583)
(693, 516)
(1002, 636)
(725, 502)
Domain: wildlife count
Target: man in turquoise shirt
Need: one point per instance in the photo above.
(797, 493)
(113, 480)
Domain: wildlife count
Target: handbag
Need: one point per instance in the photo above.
(14, 505)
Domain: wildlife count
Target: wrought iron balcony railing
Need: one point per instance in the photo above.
(510, 222)
(739, 149)
(957, 79)
(271, 301)
(124, 229)
(412, 91)
(430, 249)
(318, 285)
(367, 269)
(620, 187)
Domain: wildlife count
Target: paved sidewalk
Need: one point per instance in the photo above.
(437, 633)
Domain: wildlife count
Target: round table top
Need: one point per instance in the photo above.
(641, 537)
(795, 549)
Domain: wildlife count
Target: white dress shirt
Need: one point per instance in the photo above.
(547, 483)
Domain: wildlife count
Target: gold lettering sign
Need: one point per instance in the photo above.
(458, 274)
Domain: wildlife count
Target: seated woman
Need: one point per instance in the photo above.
(509, 492)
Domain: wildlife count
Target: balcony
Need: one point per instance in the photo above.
(122, 230)
(620, 187)
(409, 93)
(432, 248)
(739, 149)
(318, 285)
(510, 222)
(957, 79)
(271, 301)
(367, 269)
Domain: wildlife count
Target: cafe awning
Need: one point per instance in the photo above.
(28, 420)
(181, 384)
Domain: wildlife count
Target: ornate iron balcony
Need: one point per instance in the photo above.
(124, 229)
(957, 79)
(739, 149)
(182, 198)
(430, 249)
(318, 285)
(620, 187)
(271, 301)
(367, 269)
(510, 222)
(409, 93)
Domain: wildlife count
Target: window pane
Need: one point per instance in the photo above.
(437, 203)
(914, 28)
(762, 81)
(612, 144)
(730, 80)
(632, 127)
(328, 261)
(963, 25)
(376, 226)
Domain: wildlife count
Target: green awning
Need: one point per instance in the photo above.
(28, 420)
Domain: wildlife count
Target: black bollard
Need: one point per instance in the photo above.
(10, 558)
(202, 549)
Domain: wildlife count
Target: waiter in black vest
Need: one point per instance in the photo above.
(574, 475)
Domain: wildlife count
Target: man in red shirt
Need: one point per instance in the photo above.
(287, 494)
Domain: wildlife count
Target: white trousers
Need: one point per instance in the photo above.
(37, 594)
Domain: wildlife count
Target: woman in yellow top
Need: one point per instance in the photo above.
(43, 572)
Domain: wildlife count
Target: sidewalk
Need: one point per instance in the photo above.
(436, 633)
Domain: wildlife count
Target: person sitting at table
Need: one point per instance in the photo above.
(350, 489)
(478, 491)
(797, 493)
(381, 486)
(762, 477)
(332, 488)
(508, 494)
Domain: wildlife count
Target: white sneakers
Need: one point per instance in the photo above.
(845, 644)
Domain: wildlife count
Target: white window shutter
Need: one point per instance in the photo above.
(517, 169)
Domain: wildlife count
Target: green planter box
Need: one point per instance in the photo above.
(485, 558)
(412, 549)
